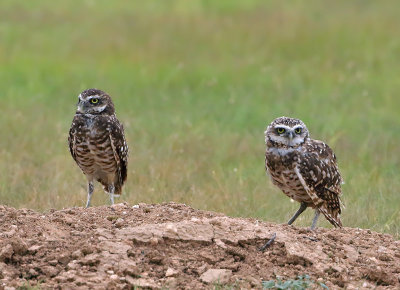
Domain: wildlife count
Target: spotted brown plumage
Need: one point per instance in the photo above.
(97, 143)
(304, 169)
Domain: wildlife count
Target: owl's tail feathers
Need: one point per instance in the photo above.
(120, 180)
(331, 207)
(332, 216)
(118, 188)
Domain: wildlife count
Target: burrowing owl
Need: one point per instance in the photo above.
(304, 169)
(97, 143)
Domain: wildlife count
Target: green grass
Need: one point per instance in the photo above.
(299, 283)
(196, 83)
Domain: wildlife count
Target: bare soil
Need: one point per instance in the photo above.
(175, 246)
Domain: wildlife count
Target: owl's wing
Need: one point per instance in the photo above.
(120, 149)
(319, 174)
(71, 140)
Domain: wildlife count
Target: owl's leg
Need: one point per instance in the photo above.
(111, 190)
(90, 192)
(302, 208)
(315, 219)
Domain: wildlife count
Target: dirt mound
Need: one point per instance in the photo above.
(174, 246)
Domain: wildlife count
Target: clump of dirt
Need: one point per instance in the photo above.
(175, 246)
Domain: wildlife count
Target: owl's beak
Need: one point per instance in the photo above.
(290, 135)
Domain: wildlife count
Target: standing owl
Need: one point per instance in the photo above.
(97, 143)
(304, 169)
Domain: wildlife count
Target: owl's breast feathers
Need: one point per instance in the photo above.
(99, 142)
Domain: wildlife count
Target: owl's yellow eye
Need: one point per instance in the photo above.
(94, 100)
(280, 130)
(297, 130)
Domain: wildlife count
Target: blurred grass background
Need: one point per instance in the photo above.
(195, 84)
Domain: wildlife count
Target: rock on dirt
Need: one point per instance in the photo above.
(220, 276)
(175, 246)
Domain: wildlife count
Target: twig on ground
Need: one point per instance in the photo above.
(269, 243)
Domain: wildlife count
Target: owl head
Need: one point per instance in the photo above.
(286, 131)
(95, 102)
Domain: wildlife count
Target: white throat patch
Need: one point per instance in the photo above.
(282, 151)
(100, 109)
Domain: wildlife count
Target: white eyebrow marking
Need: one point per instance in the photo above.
(88, 97)
(284, 126)
(94, 96)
